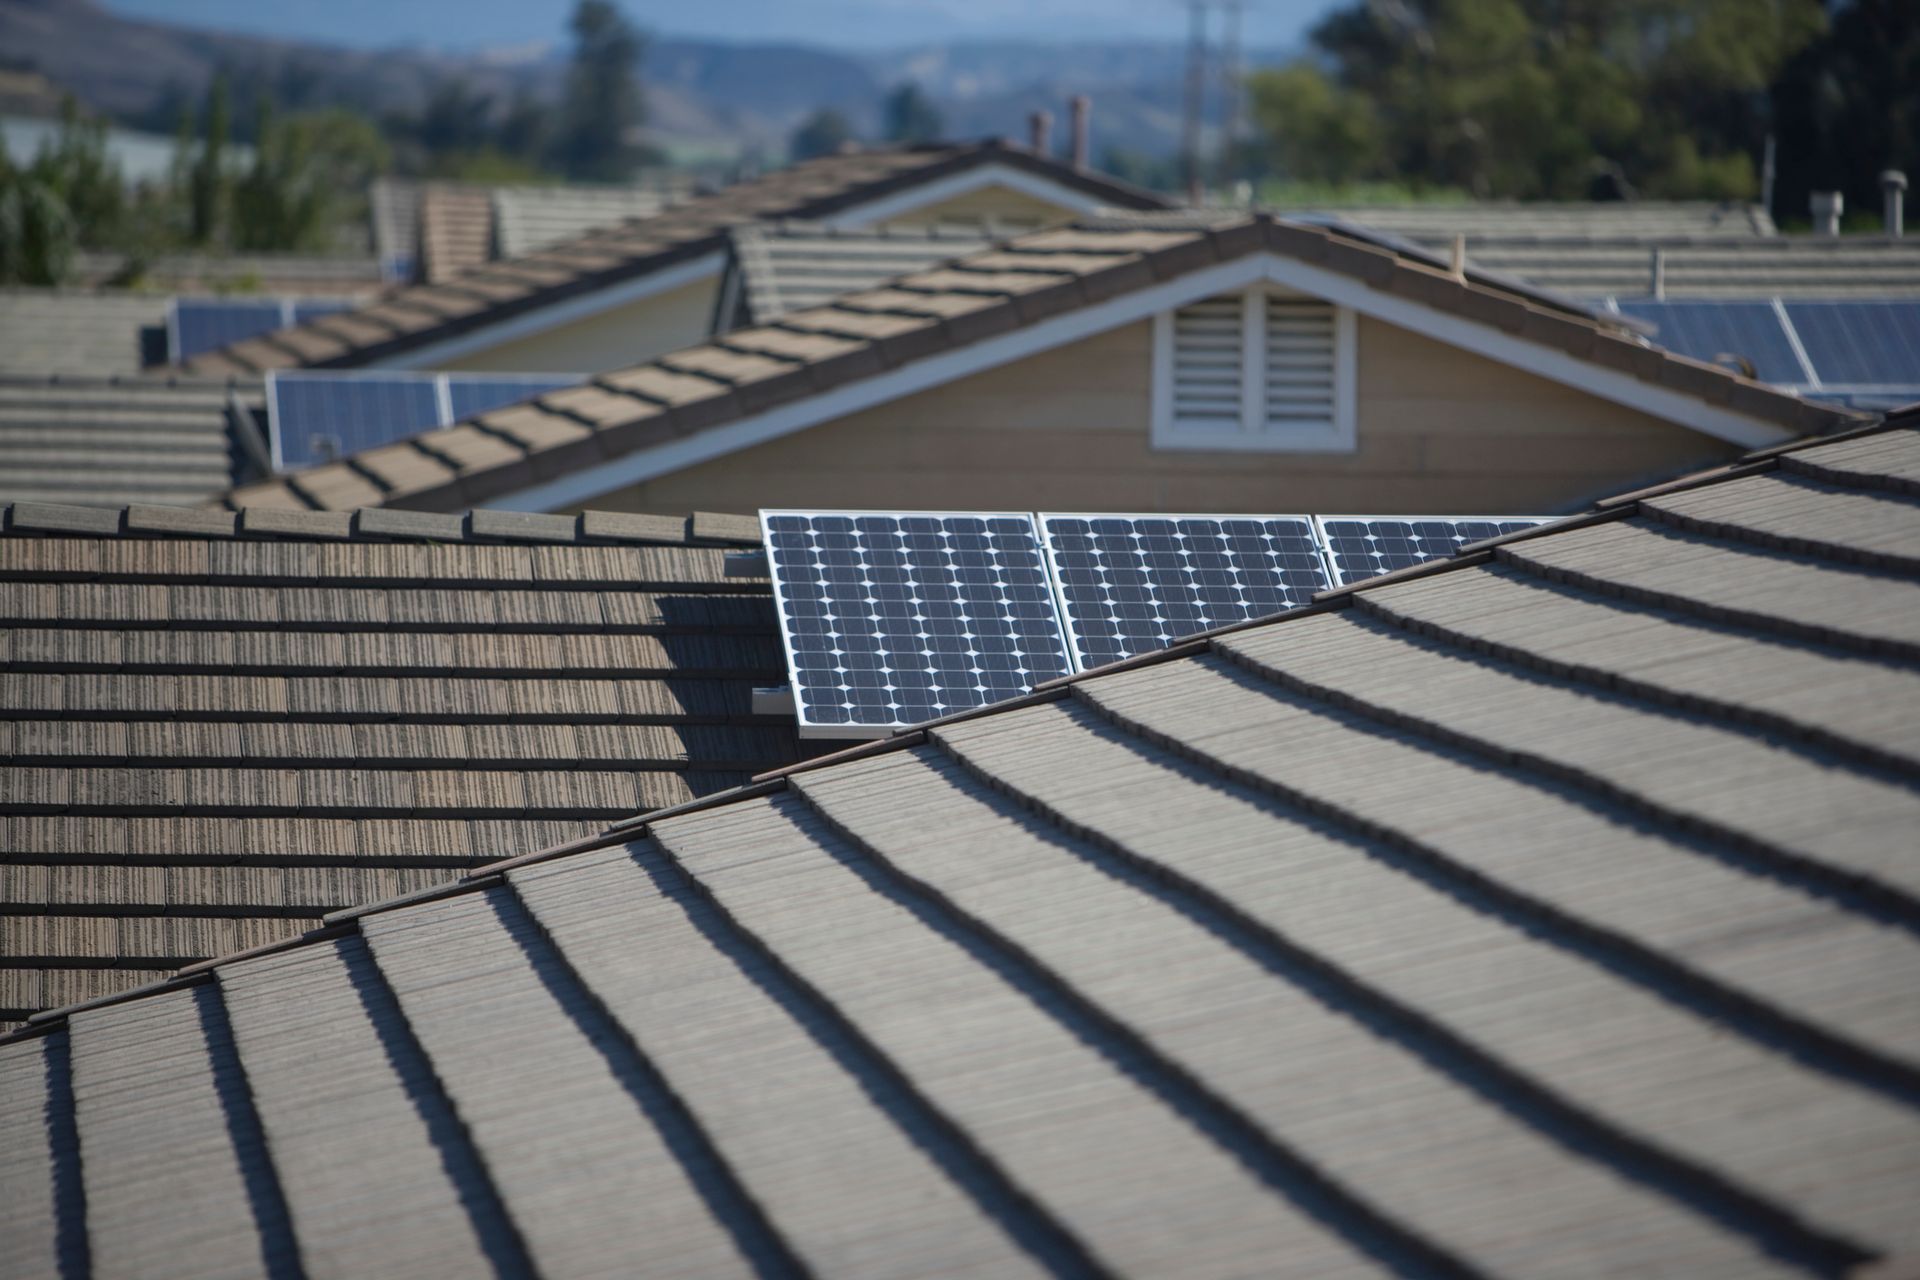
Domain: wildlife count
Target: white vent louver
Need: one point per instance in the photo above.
(1300, 364)
(1209, 350)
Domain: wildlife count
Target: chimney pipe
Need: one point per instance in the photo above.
(1893, 196)
(1827, 206)
(1039, 127)
(1080, 112)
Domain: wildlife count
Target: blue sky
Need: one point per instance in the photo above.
(846, 24)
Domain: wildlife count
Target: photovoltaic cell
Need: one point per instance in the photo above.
(199, 325)
(894, 618)
(1860, 343)
(1707, 330)
(317, 417)
(472, 395)
(1133, 584)
(1361, 547)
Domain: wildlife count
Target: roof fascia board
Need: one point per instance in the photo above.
(581, 487)
(861, 216)
(582, 307)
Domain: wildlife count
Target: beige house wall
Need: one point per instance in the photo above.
(614, 339)
(999, 204)
(1440, 430)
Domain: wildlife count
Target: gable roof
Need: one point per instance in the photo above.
(568, 446)
(111, 441)
(215, 729)
(1548, 908)
(76, 331)
(1804, 267)
(483, 295)
(796, 266)
(1439, 223)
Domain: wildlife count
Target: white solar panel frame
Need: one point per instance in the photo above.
(1325, 540)
(1068, 628)
(810, 729)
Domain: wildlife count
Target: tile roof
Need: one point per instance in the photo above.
(496, 291)
(866, 333)
(46, 331)
(529, 219)
(111, 441)
(456, 230)
(331, 274)
(215, 729)
(1551, 909)
(1637, 218)
(788, 266)
(1809, 267)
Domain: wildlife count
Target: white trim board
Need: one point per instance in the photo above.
(921, 375)
(966, 182)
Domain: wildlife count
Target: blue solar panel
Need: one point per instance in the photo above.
(1132, 584)
(891, 619)
(207, 324)
(317, 417)
(1708, 330)
(1361, 547)
(472, 395)
(1860, 343)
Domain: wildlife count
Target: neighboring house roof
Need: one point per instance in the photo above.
(456, 230)
(1439, 223)
(785, 266)
(569, 446)
(217, 730)
(45, 331)
(528, 219)
(1809, 267)
(1547, 910)
(413, 318)
(111, 441)
(312, 275)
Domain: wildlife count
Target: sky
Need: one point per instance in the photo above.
(841, 24)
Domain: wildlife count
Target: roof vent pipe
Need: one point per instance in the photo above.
(1459, 264)
(1826, 206)
(1659, 271)
(1893, 197)
(1080, 114)
(1039, 128)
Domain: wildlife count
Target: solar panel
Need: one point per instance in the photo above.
(891, 618)
(316, 417)
(197, 325)
(471, 394)
(1361, 547)
(1866, 344)
(1130, 584)
(1707, 330)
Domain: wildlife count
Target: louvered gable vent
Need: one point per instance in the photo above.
(1300, 371)
(1209, 352)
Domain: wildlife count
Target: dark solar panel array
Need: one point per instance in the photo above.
(471, 394)
(1133, 584)
(894, 619)
(200, 325)
(1711, 330)
(320, 415)
(317, 417)
(1860, 343)
(1361, 547)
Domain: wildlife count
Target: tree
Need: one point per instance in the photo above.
(910, 115)
(307, 176)
(37, 233)
(207, 180)
(74, 166)
(1536, 98)
(820, 134)
(1848, 106)
(603, 105)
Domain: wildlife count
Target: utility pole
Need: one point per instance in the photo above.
(1230, 74)
(1196, 98)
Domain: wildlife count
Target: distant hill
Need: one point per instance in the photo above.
(704, 96)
